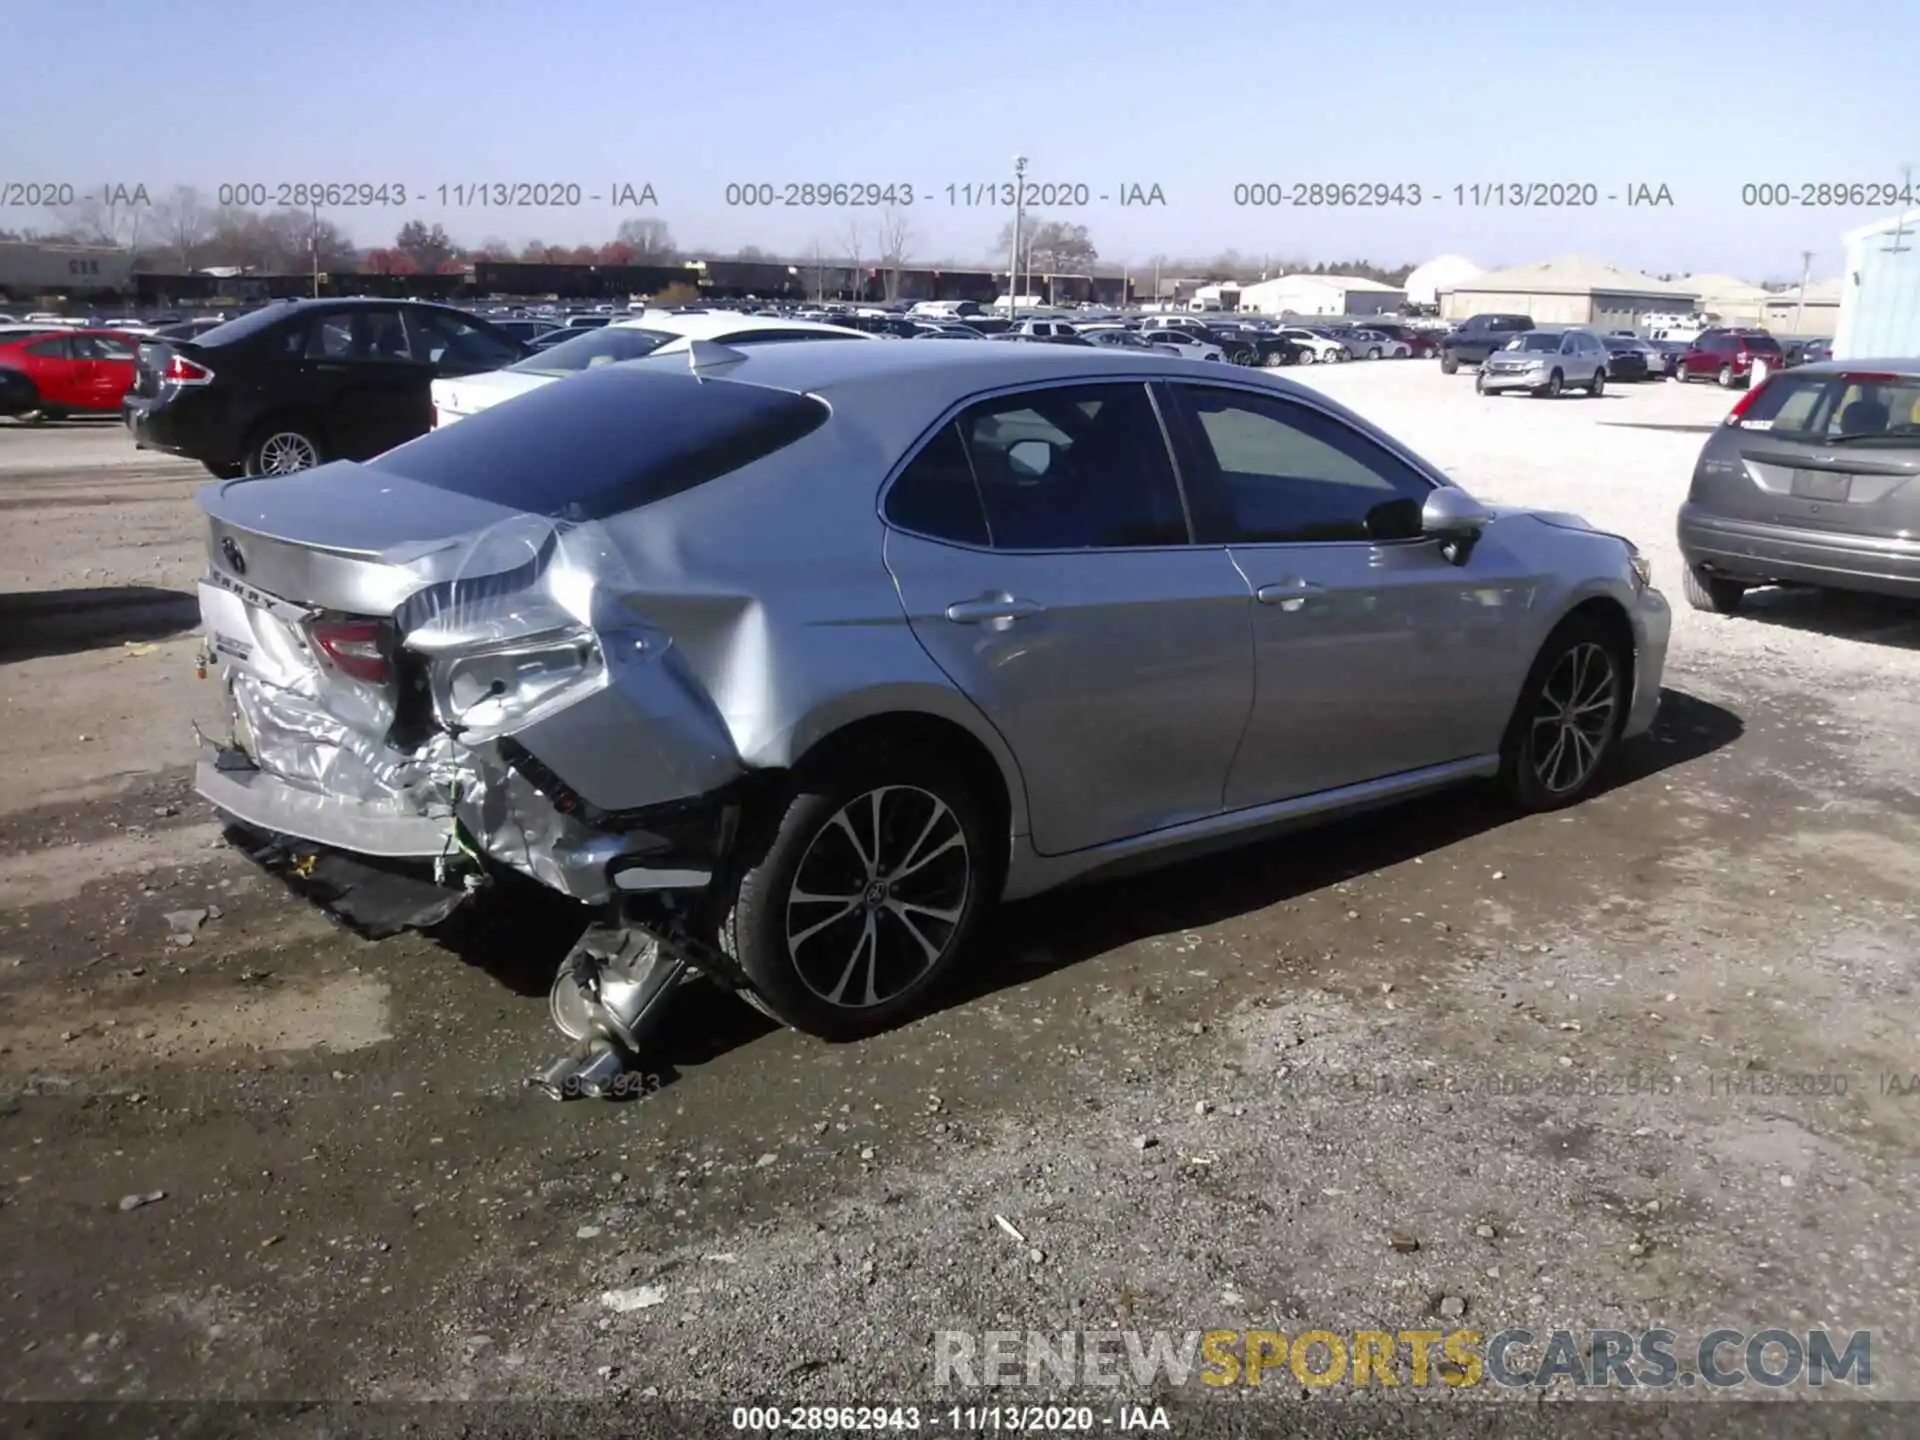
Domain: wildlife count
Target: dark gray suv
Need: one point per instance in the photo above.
(1814, 479)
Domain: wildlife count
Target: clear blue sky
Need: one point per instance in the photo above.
(1192, 95)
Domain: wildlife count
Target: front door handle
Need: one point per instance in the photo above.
(1000, 609)
(1288, 594)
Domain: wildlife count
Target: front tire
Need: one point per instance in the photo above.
(1567, 723)
(1274, 359)
(1449, 365)
(1725, 377)
(859, 899)
(1597, 385)
(1714, 594)
(1374, 353)
(1556, 382)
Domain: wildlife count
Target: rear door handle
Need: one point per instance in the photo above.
(1288, 594)
(988, 609)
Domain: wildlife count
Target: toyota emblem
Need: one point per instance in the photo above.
(230, 552)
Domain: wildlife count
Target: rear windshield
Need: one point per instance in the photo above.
(251, 323)
(1838, 408)
(593, 347)
(1759, 342)
(608, 441)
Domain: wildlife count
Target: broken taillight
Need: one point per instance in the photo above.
(357, 648)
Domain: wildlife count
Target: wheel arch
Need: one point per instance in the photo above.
(927, 719)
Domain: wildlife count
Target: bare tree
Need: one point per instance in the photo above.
(649, 241)
(896, 238)
(182, 222)
(115, 220)
(819, 272)
(856, 248)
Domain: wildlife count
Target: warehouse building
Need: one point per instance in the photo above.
(1573, 290)
(1321, 295)
(1443, 272)
(1815, 313)
(1729, 300)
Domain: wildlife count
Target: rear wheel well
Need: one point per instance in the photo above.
(914, 733)
(307, 422)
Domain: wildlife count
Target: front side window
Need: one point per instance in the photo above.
(1076, 467)
(1275, 472)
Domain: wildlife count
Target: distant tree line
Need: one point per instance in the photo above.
(181, 231)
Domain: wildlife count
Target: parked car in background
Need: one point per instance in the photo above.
(1544, 363)
(1813, 479)
(1191, 344)
(457, 397)
(1315, 346)
(1478, 338)
(17, 393)
(674, 671)
(1668, 353)
(524, 330)
(1045, 329)
(295, 385)
(1726, 356)
(72, 372)
(1632, 359)
(1370, 344)
(1118, 337)
(1808, 352)
(1420, 344)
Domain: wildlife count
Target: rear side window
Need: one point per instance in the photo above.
(936, 495)
(607, 441)
(242, 327)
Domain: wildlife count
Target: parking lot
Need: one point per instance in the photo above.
(1641, 1063)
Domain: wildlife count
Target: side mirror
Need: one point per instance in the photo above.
(1455, 519)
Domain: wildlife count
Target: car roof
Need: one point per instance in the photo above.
(1908, 367)
(705, 325)
(818, 368)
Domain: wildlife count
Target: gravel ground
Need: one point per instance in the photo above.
(1433, 1068)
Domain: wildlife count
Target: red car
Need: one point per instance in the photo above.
(1727, 356)
(72, 372)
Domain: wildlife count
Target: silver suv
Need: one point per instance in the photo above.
(1546, 362)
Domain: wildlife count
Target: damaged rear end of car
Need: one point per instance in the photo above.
(439, 666)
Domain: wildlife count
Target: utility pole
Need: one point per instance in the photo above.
(1806, 269)
(1019, 218)
(313, 245)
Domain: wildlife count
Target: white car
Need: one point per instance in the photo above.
(1316, 349)
(1190, 345)
(455, 399)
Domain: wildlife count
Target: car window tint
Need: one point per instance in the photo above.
(1285, 473)
(57, 347)
(111, 347)
(359, 335)
(1076, 467)
(936, 494)
(445, 337)
(607, 441)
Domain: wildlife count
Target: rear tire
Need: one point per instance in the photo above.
(1714, 594)
(283, 448)
(1309, 357)
(900, 847)
(1566, 726)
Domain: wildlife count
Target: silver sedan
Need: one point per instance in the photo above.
(788, 663)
